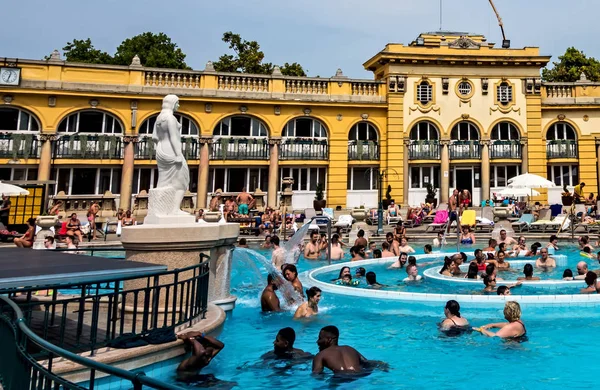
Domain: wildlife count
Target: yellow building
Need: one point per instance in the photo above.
(449, 109)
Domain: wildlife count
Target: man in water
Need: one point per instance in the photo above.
(394, 245)
(357, 253)
(582, 269)
(439, 241)
(311, 307)
(278, 255)
(269, 300)
(311, 250)
(360, 239)
(337, 358)
(283, 346)
(244, 200)
(505, 239)
(204, 349)
(386, 250)
(545, 261)
(459, 259)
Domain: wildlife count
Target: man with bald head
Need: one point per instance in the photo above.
(582, 269)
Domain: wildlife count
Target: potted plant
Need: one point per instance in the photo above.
(431, 193)
(319, 203)
(567, 197)
(388, 197)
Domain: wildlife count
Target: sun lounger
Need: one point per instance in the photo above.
(468, 218)
(523, 223)
(440, 222)
(561, 222)
(344, 223)
(372, 218)
(540, 224)
(430, 218)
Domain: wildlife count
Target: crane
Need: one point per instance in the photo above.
(505, 42)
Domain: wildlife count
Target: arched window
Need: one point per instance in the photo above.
(188, 126)
(424, 131)
(363, 131)
(16, 119)
(561, 130)
(305, 128)
(464, 131)
(240, 126)
(505, 131)
(93, 122)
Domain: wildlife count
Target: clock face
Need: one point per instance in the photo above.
(9, 76)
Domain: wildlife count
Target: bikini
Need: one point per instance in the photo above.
(466, 241)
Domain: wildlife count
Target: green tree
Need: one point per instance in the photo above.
(294, 69)
(81, 50)
(570, 66)
(154, 50)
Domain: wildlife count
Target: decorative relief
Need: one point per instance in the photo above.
(51, 101)
(586, 118)
(465, 116)
(205, 140)
(484, 85)
(208, 108)
(7, 99)
(364, 117)
(464, 43)
(48, 137)
(274, 141)
(243, 109)
(94, 103)
(505, 110)
(277, 110)
(130, 139)
(307, 111)
(561, 117)
(339, 117)
(425, 110)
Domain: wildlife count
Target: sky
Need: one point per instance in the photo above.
(321, 35)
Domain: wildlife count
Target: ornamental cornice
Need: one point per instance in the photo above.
(275, 141)
(130, 139)
(207, 140)
(48, 137)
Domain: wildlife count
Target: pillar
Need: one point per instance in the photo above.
(485, 169)
(598, 163)
(405, 173)
(205, 143)
(445, 172)
(127, 171)
(45, 156)
(274, 143)
(524, 158)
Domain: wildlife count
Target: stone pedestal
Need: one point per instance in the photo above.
(45, 222)
(179, 246)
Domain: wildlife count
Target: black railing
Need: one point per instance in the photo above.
(424, 150)
(505, 149)
(304, 149)
(363, 150)
(226, 148)
(89, 146)
(145, 148)
(89, 316)
(21, 370)
(561, 148)
(19, 145)
(465, 150)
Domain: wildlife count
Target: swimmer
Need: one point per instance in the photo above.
(492, 243)
(360, 239)
(310, 308)
(427, 249)
(377, 254)
(528, 272)
(502, 264)
(490, 283)
(545, 261)
(386, 250)
(520, 249)
(473, 272)
(347, 281)
(283, 347)
(290, 273)
(337, 358)
(534, 248)
(514, 329)
(400, 261)
(459, 259)
(439, 240)
(413, 274)
(552, 244)
(311, 250)
(357, 253)
(337, 253)
(567, 274)
(582, 270)
(591, 280)
(269, 300)
(504, 239)
(372, 248)
(372, 280)
(242, 243)
(586, 252)
(448, 267)
(204, 349)
(404, 247)
(267, 243)
(393, 245)
(453, 319)
(343, 271)
(360, 272)
(491, 269)
(584, 241)
(278, 255)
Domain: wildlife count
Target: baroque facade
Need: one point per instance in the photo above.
(448, 110)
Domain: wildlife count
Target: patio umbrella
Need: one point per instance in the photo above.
(529, 180)
(517, 192)
(12, 190)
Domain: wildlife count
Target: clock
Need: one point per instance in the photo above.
(10, 76)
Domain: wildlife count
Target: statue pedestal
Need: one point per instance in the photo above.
(45, 222)
(180, 245)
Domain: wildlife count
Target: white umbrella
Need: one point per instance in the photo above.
(529, 180)
(12, 190)
(517, 192)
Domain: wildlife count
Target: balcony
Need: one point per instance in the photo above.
(144, 148)
(363, 150)
(233, 148)
(89, 146)
(19, 145)
(424, 150)
(304, 149)
(561, 148)
(465, 150)
(505, 149)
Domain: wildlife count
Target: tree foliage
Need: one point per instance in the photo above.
(249, 58)
(82, 50)
(570, 66)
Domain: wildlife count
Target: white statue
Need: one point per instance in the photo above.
(173, 172)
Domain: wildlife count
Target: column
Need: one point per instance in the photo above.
(524, 158)
(205, 143)
(45, 156)
(445, 172)
(598, 162)
(485, 169)
(405, 173)
(274, 143)
(127, 171)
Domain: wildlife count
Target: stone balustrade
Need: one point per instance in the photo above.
(172, 79)
(306, 86)
(365, 88)
(580, 92)
(244, 83)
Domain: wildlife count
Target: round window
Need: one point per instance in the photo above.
(464, 88)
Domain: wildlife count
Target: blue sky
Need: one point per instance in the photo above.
(322, 35)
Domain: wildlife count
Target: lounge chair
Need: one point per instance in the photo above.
(523, 223)
(561, 222)
(308, 214)
(372, 218)
(486, 222)
(344, 223)
(430, 218)
(544, 218)
(468, 218)
(393, 219)
(440, 222)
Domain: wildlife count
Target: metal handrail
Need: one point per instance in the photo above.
(137, 379)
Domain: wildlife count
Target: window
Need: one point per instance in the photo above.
(88, 181)
(424, 131)
(305, 179)
(363, 131)
(561, 131)
(464, 88)
(240, 126)
(505, 131)
(500, 174)
(16, 174)
(15, 119)
(305, 128)
(362, 178)
(144, 179)
(563, 175)
(464, 131)
(424, 92)
(420, 177)
(188, 126)
(91, 122)
(234, 179)
(504, 93)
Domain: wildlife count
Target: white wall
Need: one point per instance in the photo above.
(356, 198)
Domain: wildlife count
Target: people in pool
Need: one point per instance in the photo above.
(480, 260)
(514, 328)
(427, 249)
(459, 259)
(582, 270)
(400, 261)
(372, 280)
(413, 274)
(290, 273)
(586, 252)
(338, 358)
(591, 281)
(386, 250)
(492, 243)
(473, 272)
(343, 271)
(453, 319)
(467, 237)
(552, 244)
(267, 243)
(268, 300)
(439, 240)
(520, 249)
(360, 272)
(449, 267)
(311, 250)
(501, 263)
(505, 239)
(534, 249)
(489, 282)
(393, 244)
(283, 347)
(567, 274)
(584, 241)
(278, 254)
(311, 307)
(528, 272)
(404, 247)
(545, 261)
(204, 349)
(503, 290)
(372, 247)
(377, 254)
(357, 253)
(347, 281)
(360, 239)
(337, 252)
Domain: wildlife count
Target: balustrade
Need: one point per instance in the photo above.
(303, 149)
(505, 149)
(363, 150)
(19, 145)
(365, 88)
(243, 83)
(424, 150)
(89, 146)
(561, 148)
(465, 150)
(145, 148)
(306, 86)
(172, 79)
(233, 148)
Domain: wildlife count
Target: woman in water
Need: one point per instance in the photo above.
(501, 263)
(399, 263)
(467, 237)
(372, 280)
(567, 274)
(528, 272)
(584, 242)
(310, 308)
(552, 244)
(337, 253)
(449, 267)
(490, 283)
(343, 271)
(534, 248)
(520, 250)
(453, 319)
(473, 272)
(591, 280)
(514, 329)
(404, 247)
(347, 281)
(290, 273)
